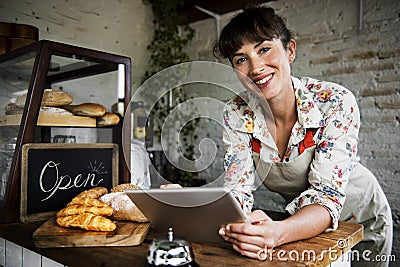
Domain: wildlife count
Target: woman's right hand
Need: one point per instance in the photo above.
(253, 240)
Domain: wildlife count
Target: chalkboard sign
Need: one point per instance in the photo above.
(52, 174)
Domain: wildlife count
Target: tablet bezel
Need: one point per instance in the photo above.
(195, 214)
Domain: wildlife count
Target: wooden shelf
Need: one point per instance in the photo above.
(43, 64)
(50, 120)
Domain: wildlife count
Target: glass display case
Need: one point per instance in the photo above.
(88, 76)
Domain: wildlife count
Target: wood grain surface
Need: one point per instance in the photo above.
(50, 120)
(50, 235)
(206, 255)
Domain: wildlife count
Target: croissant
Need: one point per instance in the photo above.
(87, 221)
(94, 192)
(79, 209)
(87, 202)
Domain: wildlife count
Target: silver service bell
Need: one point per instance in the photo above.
(170, 252)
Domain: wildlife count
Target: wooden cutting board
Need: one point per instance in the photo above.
(50, 235)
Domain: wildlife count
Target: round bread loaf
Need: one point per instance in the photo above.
(56, 98)
(87, 109)
(51, 98)
(123, 187)
(13, 109)
(55, 111)
(107, 119)
(124, 208)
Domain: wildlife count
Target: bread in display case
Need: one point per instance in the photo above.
(50, 88)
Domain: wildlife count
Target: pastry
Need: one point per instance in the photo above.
(87, 212)
(51, 98)
(94, 192)
(87, 109)
(107, 119)
(124, 208)
(80, 209)
(87, 221)
(87, 202)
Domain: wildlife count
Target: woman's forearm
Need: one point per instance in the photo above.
(306, 223)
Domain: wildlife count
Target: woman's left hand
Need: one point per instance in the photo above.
(259, 236)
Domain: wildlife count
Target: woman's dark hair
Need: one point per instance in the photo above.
(252, 25)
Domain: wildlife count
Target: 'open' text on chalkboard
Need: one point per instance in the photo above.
(53, 174)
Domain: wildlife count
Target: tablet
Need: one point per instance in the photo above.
(195, 214)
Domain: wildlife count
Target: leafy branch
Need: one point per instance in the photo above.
(171, 35)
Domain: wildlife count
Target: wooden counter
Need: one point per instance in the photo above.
(327, 246)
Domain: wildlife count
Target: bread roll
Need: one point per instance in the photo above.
(107, 119)
(51, 98)
(124, 208)
(87, 109)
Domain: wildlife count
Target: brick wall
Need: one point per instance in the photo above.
(333, 45)
(114, 26)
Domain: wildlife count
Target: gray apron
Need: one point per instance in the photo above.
(365, 202)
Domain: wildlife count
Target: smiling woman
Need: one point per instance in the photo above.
(302, 144)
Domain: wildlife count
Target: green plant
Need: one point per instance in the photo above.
(171, 35)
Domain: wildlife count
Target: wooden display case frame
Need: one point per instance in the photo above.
(44, 50)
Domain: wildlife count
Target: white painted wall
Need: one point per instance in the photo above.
(122, 27)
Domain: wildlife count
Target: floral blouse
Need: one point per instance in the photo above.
(327, 108)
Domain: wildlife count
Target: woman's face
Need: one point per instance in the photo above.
(267, 65)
